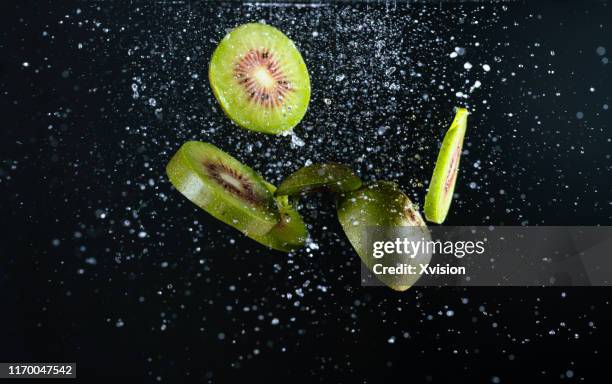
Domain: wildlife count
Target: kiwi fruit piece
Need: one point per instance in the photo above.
(290, 233)
(260, 79)
(224, 187)
(383, 206)
(330, 176)
(444, 178)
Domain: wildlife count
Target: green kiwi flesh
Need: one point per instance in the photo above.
(382, 204)
(224, 187)
(290, 233)
(260, 79)
(330, 176)
(444, 178)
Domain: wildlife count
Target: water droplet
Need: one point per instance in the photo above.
(601, 51)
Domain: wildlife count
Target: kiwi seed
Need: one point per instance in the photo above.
(260, 79)
(224, 187)
(442, 185)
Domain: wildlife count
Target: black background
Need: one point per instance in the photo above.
(190, 298)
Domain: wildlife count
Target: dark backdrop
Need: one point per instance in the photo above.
(103, 263)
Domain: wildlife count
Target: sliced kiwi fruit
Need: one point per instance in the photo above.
(290, 233)
(382, 206)
(224, 187)
(260, 79)
(442, 185)
(330, 176)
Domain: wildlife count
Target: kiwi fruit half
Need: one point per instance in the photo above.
(260, 79)
(330, 176)
(290, 233)
(383, 206)
(224, 187)
(444, 178)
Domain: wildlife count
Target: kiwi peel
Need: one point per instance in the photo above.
(330, 176)
(260, 79)
(442, 185)
(383, 205)
(224, 187)
(290, 233)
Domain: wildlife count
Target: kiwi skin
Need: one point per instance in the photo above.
(290, 233)
(440, 193)
(381, 204)
(240, 111)
(200, 190)
(331, 176)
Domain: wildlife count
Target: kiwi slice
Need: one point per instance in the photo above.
(224, 187)
(260, 79)
(382, 204)
(331, 176)
(442, 185)
(290, 233)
